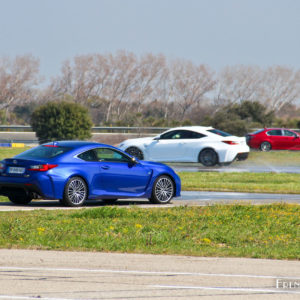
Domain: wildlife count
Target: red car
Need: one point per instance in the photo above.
(274, 138)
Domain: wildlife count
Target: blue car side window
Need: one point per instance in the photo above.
(110, 155)
(88, 156)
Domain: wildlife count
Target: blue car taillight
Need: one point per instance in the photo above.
(42, 168)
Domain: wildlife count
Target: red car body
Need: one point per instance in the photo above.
(274, 138)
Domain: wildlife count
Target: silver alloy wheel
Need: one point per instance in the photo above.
(77, 191)
(265, 146)
(164, 189)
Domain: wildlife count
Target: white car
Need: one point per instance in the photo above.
(206, 145)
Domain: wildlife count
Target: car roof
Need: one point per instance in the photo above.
(278, 128)
(74, 144)
(77, 147)
(194, 128)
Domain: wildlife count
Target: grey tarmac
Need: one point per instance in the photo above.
(33, 274)
(186, 199)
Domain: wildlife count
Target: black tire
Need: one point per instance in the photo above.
(265, 146)
(163, 190)
(208, 157)
(136, 152)
(20, 198)
(75, 192)
(110, 201)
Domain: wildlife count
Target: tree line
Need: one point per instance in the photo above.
(151, 90)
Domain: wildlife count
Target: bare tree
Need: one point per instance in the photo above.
(280, 86)
(152, 70)
(79, 79)
(273, 87)
(96, 77)
(18, 77)
(121, 82)
(190, 83)
(236, 84)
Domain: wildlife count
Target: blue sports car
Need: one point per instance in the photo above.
(74, 171)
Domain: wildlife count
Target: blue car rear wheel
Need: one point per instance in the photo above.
(20, 198)
(75, 192)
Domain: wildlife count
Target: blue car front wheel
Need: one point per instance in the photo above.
(75, 192)
(163, 190)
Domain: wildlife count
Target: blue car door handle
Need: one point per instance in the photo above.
(105, 167)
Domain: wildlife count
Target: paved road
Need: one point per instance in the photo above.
(187, 198)
(237, 167)
(26, 274)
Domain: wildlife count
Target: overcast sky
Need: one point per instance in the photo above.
(214, 32)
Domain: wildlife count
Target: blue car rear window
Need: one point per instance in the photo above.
(44, 151)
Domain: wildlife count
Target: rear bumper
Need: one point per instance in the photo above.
(242, 156)
(40, 185)
(7, 188)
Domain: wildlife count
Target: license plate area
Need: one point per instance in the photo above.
(16, 170)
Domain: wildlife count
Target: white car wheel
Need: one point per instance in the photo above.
(208, 158)
(136, 152)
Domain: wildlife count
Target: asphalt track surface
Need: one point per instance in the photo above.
(26, 274)
(186, 199)
(253, 167)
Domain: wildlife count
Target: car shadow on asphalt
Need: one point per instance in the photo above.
(90, 203)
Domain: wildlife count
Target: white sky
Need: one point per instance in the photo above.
(214, 32)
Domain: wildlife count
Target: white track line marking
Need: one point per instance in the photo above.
(3, 268)
(30, 298)
(227, 289)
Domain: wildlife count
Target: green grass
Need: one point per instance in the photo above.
(288, 158)
(266, 231)
(241, 182)
(6, 152)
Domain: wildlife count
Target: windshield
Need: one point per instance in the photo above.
(258, 131)
(219, 132)
(44, 151)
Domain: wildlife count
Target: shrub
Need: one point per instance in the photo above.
(240, 118)
(61, 121)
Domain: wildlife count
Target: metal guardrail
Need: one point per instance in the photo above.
(17, 128)
(120, 129)
(98, 129)
(103, 129)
